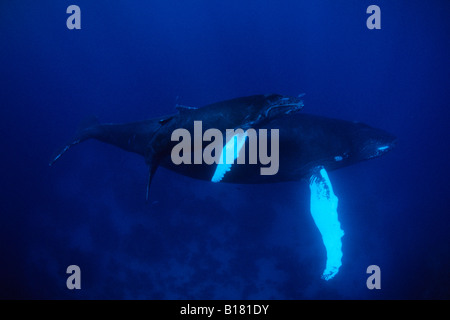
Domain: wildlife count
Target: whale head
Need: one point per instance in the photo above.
(372, 142)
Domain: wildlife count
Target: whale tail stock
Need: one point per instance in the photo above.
(132, 137)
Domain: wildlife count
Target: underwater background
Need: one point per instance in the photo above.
(134, 60)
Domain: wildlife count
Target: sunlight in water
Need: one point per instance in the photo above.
(324, 212)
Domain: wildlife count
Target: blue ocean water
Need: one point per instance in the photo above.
(197, 240)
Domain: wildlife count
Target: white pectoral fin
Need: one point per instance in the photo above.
(324, 205)
(229, 153)
(221, 169)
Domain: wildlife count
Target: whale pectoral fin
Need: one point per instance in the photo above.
(229, 153)
(324, 212)
(221, 169)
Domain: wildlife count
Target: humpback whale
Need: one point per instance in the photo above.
(309, 147)
(152, 138)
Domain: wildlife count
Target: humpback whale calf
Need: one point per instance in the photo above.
(309, 146)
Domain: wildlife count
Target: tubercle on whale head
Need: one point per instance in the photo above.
(278, 105)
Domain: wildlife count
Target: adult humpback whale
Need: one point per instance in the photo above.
(309, 146)
(152, 138)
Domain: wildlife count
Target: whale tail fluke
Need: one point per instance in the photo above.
(86, 130)
(151, 173)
